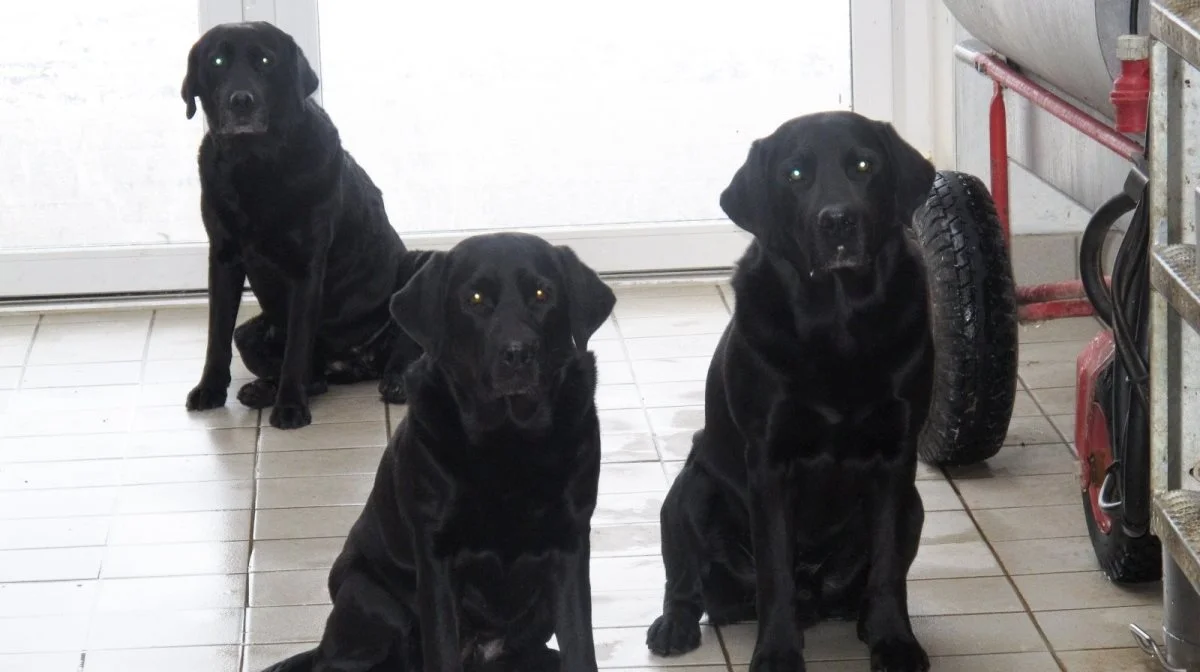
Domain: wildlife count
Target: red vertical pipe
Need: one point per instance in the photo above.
(998, 125)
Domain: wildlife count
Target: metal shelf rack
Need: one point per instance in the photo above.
(1174, 168)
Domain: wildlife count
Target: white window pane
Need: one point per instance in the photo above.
(95, 146)
(476, 114)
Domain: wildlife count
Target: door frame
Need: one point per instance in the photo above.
(917, 96)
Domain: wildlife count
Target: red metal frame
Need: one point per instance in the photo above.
(1058, 299)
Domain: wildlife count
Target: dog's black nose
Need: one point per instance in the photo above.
(833, 218)
(241, 100)
(519, 353)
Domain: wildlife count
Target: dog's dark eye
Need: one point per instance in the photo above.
(795, 175)
(541, 295)
(863, 166)
(218, 61)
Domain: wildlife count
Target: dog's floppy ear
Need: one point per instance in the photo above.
(912, 174)
(589, 300)
(418, 306)
(743, 200)
(306, 77)
(191, 81)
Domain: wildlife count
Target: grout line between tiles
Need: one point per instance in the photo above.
(242, 644)
(724, 299)
(1042, 410)
(113, 513)
(1007, 576)
(724, 648)
(37, 327)
(641, 401)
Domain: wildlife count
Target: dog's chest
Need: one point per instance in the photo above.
(840, 432)
(508, 526)
(494, 589)
(269, 221)
(506, 556)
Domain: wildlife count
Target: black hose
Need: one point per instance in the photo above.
(1129, 426)
(1091, 253)
(1133, 17)
(1129, 296)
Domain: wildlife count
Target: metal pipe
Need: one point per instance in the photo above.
(1181, 617)
(1054, 310)
(1053, 291)
(1055, 300)
(998, 144)
(999, 72)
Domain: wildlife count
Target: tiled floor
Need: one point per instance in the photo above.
(135, 537)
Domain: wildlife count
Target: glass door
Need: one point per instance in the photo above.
(611, 127)
(98, 186)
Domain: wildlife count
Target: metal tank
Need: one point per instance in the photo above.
(1070, 44)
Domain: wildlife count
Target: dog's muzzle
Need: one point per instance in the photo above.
(516, 370)
(839, 240)
(242, 113)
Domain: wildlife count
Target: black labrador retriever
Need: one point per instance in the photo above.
(798, 501)
(473, 547)
(284, 205)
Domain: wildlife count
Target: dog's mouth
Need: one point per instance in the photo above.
(844, 259)
(242, 128)
(233, 124)
(514, 386)
(523, 407)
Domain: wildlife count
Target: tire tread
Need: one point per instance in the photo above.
(974, 322)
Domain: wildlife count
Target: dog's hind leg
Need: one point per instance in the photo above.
(729, 589)
(301, 662)
(677, 631)
(260, 345)
(368, 630)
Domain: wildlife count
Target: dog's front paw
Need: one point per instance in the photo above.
(391, 389)
(290, 416)
(782, 660)
(672, 635)
(898, 655)
(259, 393)
(204, 397)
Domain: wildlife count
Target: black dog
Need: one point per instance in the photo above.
(473, 546)
(286, 206)
(798, 501)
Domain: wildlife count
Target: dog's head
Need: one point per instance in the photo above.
(502, 315)
(827, 190)
(248, 77)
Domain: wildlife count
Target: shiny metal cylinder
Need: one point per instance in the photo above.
(1069, 44)
(1181, 617)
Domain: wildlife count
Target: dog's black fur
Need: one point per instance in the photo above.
(472, 549)
(287, 207)
(798, 501)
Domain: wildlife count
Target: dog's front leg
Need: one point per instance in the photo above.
(884, 623)
(304, 315)
(573, 617)
(226, 279)
(772, 527)
(438, 613)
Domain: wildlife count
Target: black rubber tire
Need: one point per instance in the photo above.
(974, 322)
(1123, 558)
